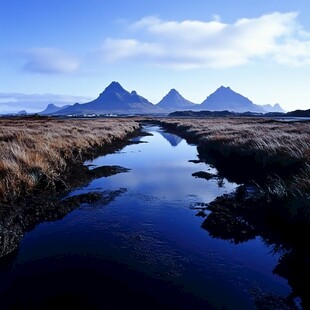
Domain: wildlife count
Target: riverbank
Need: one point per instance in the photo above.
(271, 160)
(252, 148)
(233, 216)
(140, 229)
(40, 153)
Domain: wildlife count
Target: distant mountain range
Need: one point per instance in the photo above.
(52, 109)
(116, 100)
(275, 108)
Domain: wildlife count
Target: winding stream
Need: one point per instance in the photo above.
(145, 247)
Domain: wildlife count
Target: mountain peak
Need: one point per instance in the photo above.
(224, 98)
(223, 88)
(23, 112)
(115, 99)
(173, 91)
(51, 105)
(273, 108)
(52, 108)
(115, 87)
(174, 101)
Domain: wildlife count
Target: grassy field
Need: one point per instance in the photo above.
(281, 148)
(33, 150)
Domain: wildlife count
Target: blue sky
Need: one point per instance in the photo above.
(70, 51)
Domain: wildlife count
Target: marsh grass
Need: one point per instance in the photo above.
(281, 148)
(36, 150)
(248, 135)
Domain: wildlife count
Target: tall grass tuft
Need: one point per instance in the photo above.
(263, 142)
(35, 149)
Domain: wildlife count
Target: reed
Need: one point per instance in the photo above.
(35, 149)
(264, 143)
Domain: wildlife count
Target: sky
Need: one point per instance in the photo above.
(64, 51)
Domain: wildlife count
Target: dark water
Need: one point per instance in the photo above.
(145, 247)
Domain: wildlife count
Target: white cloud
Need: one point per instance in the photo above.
(118, 49)
(191, 44)
(294, 52)
(49, 61)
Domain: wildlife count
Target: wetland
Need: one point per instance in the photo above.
(157, 222)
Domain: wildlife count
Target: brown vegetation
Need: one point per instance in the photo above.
(279, 147)
(32, 150)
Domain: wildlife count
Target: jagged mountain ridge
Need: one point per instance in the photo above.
(116, 100)
(273, 108)
(53, 109)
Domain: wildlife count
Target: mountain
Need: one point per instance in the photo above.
(117, 100)
(23, 112)
(114, 99)
(173, 101)
(274, 108)
(224, 98)
(53, 109)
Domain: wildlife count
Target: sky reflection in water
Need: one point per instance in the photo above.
(152, 228)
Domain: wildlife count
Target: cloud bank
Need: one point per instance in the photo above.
(277, 37)
(49, 61)
(15, 102)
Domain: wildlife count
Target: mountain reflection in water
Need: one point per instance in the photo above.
(173, 139)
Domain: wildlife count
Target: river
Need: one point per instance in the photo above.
(145, 247)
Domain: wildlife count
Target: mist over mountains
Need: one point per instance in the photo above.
(117, 100)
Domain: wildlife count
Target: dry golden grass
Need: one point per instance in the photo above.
(267, 142)
(251, 134)
(34, 148)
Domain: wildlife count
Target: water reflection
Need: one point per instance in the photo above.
(173, 139)
(240, 218)
(143, 240)
(158, 170)
(17, 220)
